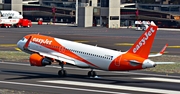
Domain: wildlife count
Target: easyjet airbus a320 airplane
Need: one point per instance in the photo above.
(45, 49)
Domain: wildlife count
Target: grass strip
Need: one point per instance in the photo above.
(14, 56)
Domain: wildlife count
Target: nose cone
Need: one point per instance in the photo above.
(20, 44)
(148, 64)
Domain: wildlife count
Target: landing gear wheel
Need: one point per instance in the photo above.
(92, 74)
(89, 74)
(62, 73)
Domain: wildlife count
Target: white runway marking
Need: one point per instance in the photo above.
(60, 87)
(118, 87)
(159, 79)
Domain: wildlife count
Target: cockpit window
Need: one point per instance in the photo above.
(22, 39)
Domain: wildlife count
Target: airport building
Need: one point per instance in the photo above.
(87, 13)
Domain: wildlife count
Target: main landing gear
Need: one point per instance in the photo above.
(92, 73)
(62, 72)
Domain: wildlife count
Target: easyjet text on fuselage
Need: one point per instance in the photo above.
(40, 41)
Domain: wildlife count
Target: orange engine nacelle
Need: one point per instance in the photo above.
(38, 60)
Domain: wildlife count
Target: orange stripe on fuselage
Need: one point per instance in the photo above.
(51, 43)
(121, 63)
(27, 43)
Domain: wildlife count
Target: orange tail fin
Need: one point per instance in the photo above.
(143, 45)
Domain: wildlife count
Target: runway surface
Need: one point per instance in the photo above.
(21, 76)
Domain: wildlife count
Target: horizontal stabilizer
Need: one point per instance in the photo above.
(161, 63)
(134, 63)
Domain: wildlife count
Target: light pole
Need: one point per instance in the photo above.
(76, 12)
(54, 14)
(137, 10)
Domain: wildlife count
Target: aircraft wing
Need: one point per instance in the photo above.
(59, 57)
(56, 56)
(160, 53)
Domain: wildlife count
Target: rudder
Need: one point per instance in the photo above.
(143, 45)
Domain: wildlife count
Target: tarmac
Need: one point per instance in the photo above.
(70, 24)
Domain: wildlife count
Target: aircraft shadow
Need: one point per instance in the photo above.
(100, 78)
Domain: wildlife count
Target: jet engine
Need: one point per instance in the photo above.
(38, 60)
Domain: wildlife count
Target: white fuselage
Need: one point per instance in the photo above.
(98, 56)
(86, 56)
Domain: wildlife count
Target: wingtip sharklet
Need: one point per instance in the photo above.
(160, 53)
(163, 49)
